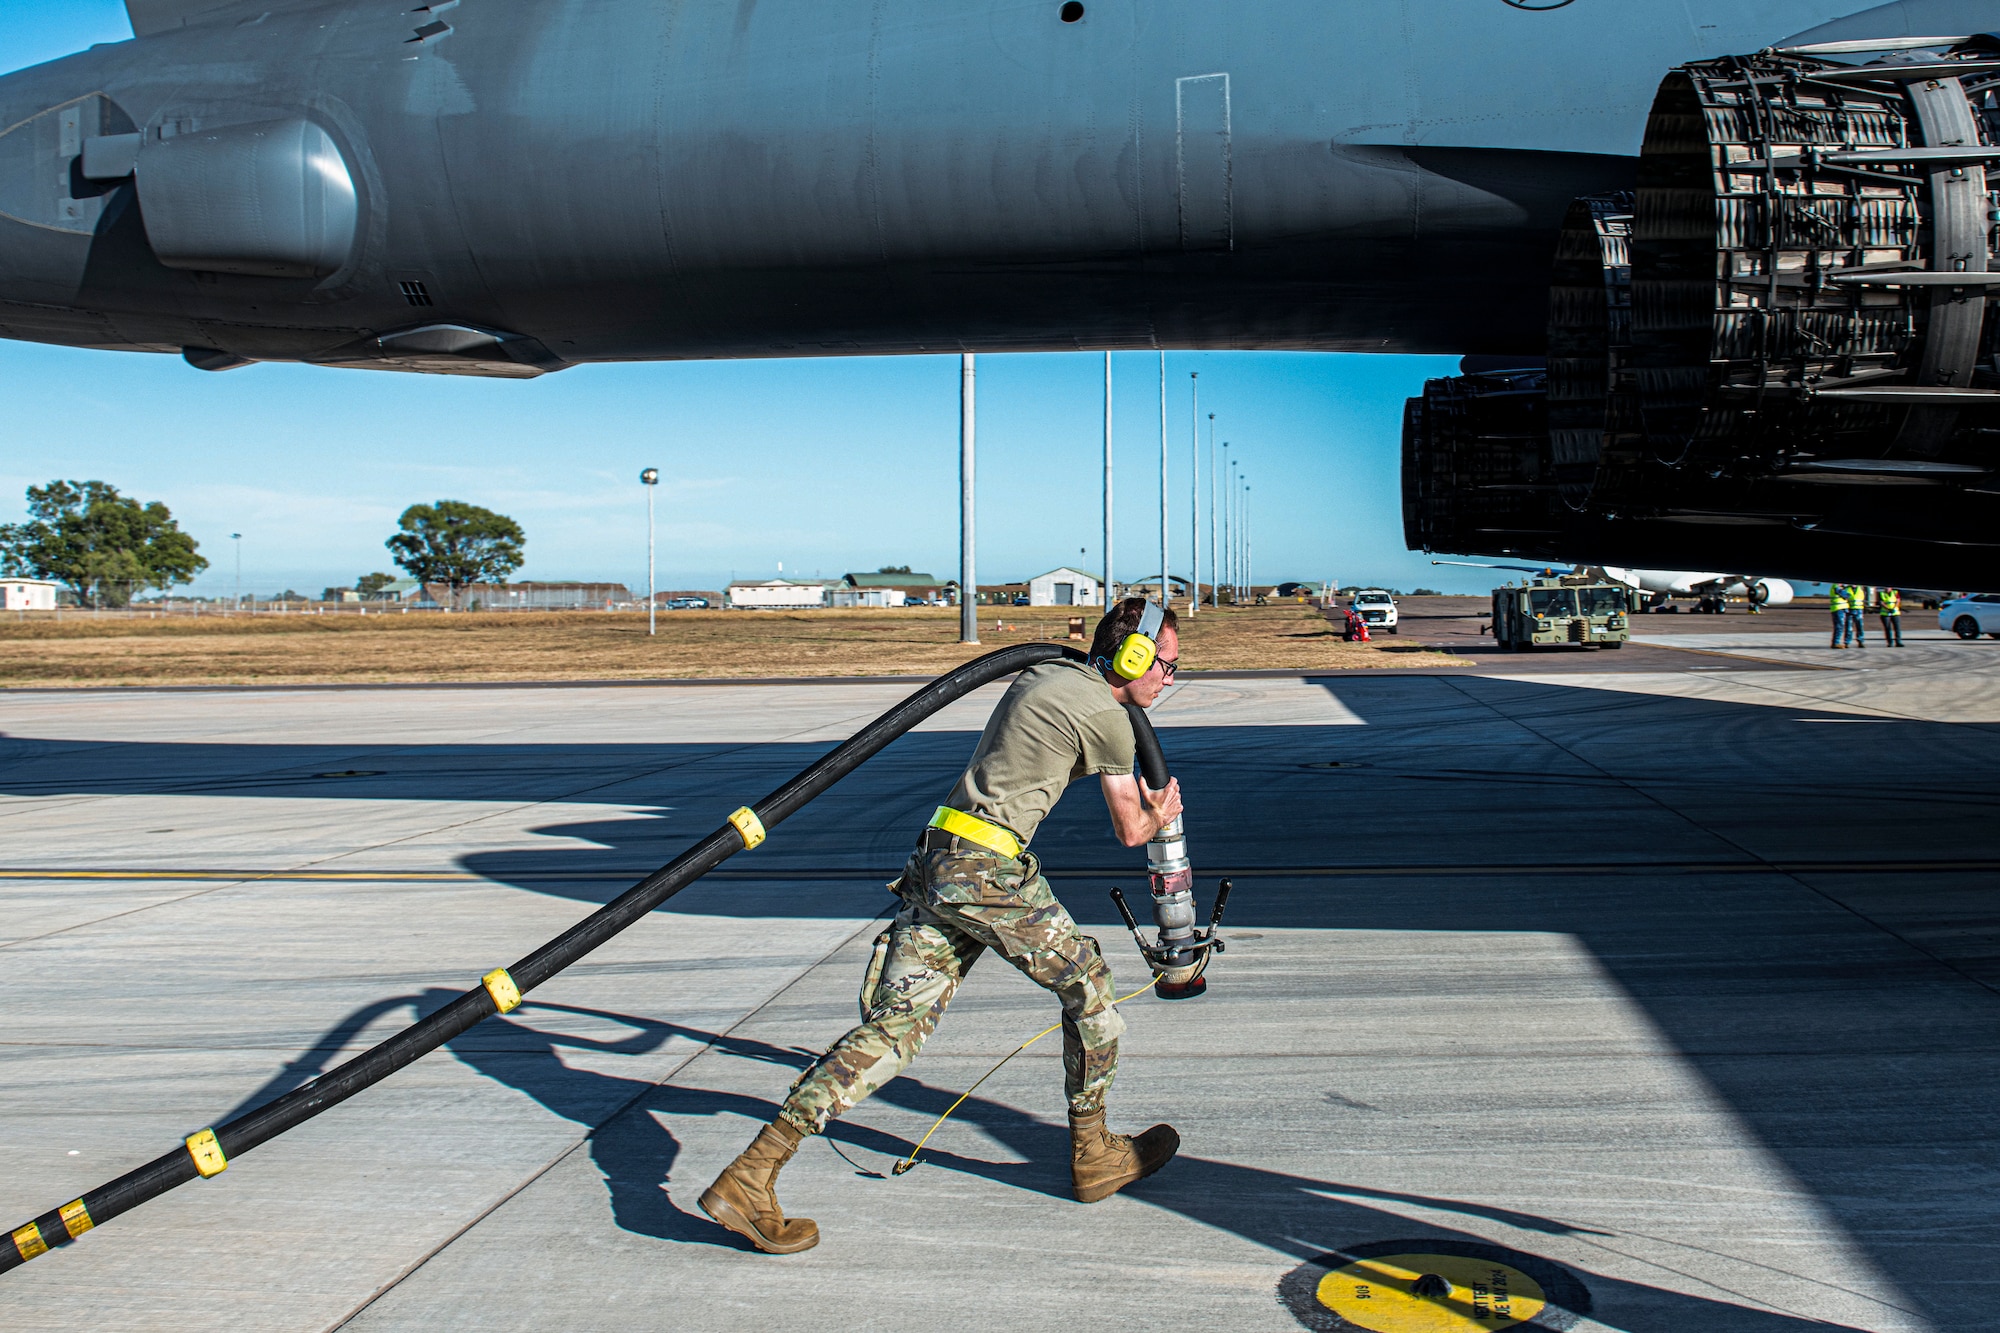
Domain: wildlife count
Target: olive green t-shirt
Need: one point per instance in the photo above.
(1058, 722)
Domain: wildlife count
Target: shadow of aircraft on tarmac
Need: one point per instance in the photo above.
(1807, 914)
(636, 1154)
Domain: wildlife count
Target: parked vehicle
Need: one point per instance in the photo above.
(1375, 607)
(687, 603)
(1971, 616)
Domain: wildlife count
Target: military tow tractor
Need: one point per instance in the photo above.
(1562, 608)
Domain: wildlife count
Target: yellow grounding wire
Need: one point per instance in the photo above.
(911, 1160)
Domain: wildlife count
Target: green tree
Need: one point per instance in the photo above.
(104, 546)
(456, 544)
(370, 585)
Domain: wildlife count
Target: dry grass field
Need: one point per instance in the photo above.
(82, 649)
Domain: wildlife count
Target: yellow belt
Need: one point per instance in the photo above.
(974, 829)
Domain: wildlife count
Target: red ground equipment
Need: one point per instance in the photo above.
(1356, 630)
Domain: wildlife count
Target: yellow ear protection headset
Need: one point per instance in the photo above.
(1136, 654)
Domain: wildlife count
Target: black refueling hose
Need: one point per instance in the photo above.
(207, 1153)
(1152, 759)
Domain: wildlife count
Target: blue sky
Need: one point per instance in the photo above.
(824, 465)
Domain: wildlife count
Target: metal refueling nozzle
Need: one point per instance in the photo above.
(1180, 956)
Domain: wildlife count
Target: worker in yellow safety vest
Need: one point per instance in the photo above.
(1889, 605)
(1838, 600)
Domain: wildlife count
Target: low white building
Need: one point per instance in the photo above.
(27, 594)
(778, 595)
(1064, 587)
(842, 595)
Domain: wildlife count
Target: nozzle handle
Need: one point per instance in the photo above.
(1221, 901)
(1125, 910)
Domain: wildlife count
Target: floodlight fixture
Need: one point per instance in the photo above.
(651, 477)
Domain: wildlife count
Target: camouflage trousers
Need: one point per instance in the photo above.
(959, 901)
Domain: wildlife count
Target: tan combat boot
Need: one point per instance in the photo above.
(744, 1197)
(1102, 1163)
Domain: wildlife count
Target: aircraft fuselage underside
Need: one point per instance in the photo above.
(625, 179)
(509, 187)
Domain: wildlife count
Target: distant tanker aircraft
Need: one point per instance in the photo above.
(1709, 588)
(1741, 312)
(1706, 587)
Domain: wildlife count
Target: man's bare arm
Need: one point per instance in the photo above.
(1137, 811)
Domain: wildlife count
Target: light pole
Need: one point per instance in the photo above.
(968, 577)
(236, 603)
(1214, 568)
(650, 478)
(1243, 537)
(1237, 555)
(1236, 534)
(1249, 551)
(1194, 483)
(1166, 598)
(1107, 483)
(1229, 520)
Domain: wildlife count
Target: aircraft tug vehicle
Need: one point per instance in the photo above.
(1557, 609)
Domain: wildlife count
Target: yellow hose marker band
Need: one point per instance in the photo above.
(976, 830)
(28, 1240)
(749, 826)
(207, 1154)
(506, 995)
(76, 1217)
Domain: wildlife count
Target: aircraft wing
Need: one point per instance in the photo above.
(151, 16)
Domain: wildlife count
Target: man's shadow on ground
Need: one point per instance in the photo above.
(636, 1154)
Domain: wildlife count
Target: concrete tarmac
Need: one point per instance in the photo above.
(1677, 986)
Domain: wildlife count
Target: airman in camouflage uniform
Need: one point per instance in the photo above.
(959, 901)
(972, 887)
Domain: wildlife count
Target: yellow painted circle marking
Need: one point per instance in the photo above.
(1381, 1295)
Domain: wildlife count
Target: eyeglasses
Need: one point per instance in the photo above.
(1168, 668)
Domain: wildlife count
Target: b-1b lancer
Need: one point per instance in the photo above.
(1736, 251)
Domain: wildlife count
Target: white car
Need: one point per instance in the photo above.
(1375, 607)
(1970, 617)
